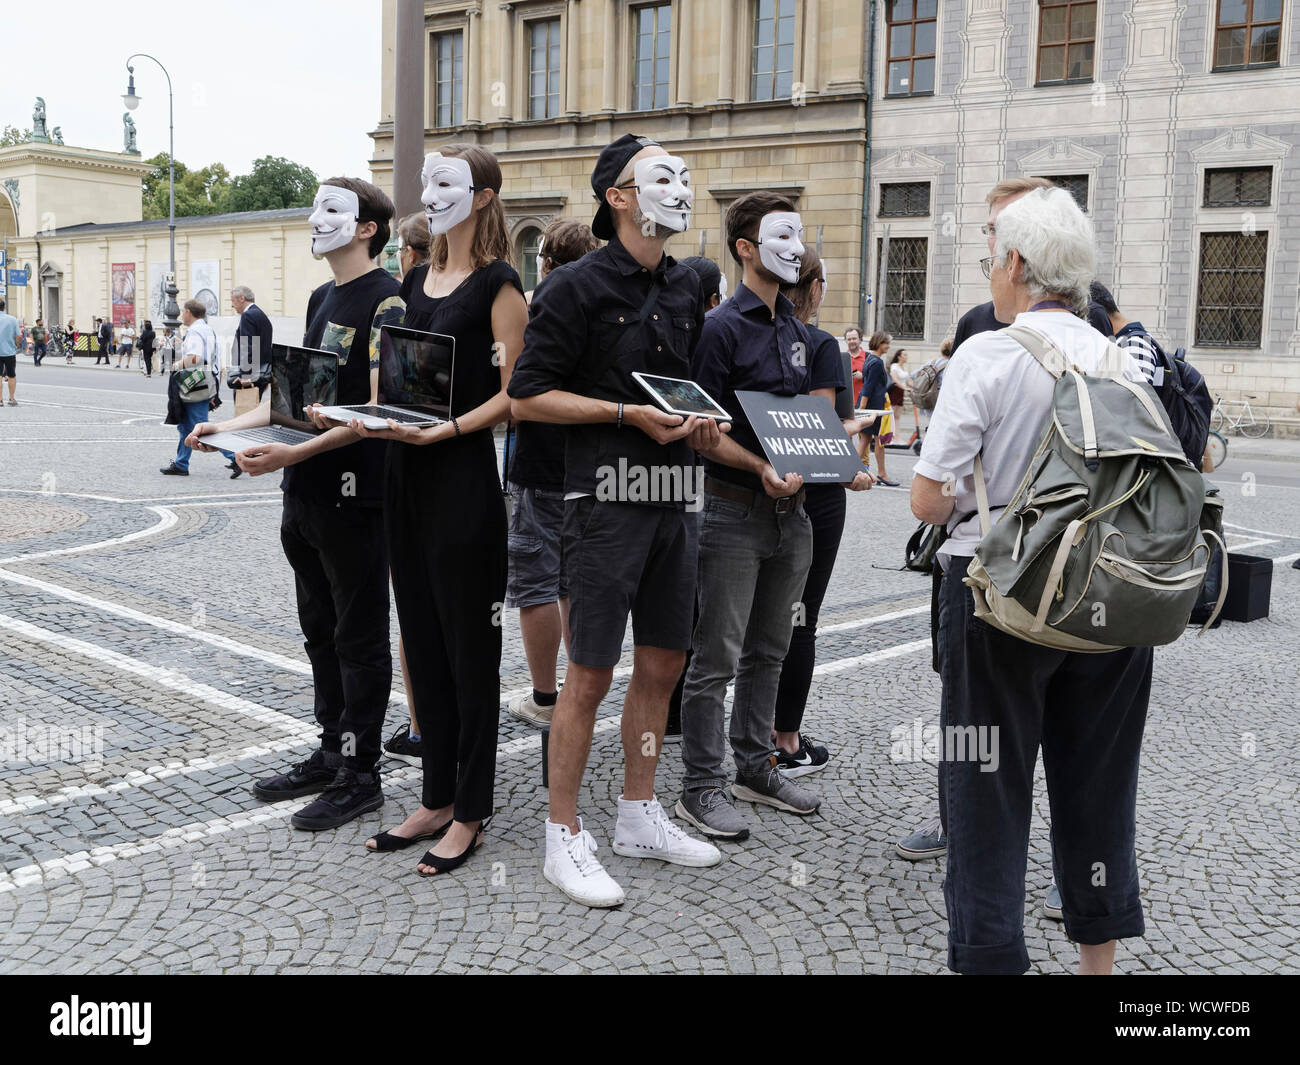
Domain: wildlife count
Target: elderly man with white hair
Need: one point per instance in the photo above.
(1086, 710)
(250, 364)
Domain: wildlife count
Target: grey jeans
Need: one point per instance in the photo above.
(752, 566)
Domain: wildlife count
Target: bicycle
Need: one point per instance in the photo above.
(1246, 422)
(1217, 446)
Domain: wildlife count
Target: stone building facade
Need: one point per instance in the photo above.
(1174, 121)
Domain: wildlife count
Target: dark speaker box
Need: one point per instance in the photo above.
(1250, 581)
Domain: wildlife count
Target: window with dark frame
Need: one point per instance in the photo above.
(910, 43)
(1076, 185)
(1067, 37)
(1247, 33)
(544, 68)
(773, 53)
(448, 78)
(653, 47)
(1250, 186)
(904, 199)
(1230, 290)
(529, 245)
(902, 311)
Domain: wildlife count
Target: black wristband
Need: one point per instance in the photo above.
(619, 423)
(455, 425)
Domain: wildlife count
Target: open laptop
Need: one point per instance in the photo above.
(415, 375)
(299, 378)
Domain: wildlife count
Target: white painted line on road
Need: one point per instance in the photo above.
(842, 664)
(100, 410)
(91, 440)
(215, 497)
(172, 680)
(28, 383)
(1286, 560)
(71, 863)
(879, 619)
(166, 519)
(1257, 484)
(1249, 543)
(1260, 532)
(27, 804)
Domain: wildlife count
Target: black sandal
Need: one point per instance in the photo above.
(386, 841)
(446, 865)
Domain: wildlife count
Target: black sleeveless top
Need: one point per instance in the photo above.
(466, 314)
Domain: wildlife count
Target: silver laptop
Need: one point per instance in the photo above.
(299, 378)
(415, 375)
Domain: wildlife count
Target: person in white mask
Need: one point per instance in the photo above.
(622, 308)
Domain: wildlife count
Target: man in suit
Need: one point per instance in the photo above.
(251, 362)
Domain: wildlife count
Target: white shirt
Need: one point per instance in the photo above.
(994, 400)
(201, 340)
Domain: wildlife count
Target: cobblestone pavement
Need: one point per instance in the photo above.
(152, 668)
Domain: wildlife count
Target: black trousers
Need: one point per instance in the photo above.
(340, 570)
(1003, 699)
(103, 354)
(825, 505)
(148, 361)
(445, 524)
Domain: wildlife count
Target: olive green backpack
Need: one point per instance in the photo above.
(1105, 543)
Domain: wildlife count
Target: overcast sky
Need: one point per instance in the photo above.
(297, 78)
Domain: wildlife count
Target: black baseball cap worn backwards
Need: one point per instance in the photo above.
(613, 158)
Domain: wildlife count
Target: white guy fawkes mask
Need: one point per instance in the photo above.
(780, 244)
(541, 254)
(663, 191)
(448, 195)
(333, 218)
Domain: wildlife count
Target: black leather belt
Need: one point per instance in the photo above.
(746, 498)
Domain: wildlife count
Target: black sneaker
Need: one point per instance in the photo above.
(174, 471)
(306, 778)
(807, 759)
(401, 746)
(349, 796)
(234, 467)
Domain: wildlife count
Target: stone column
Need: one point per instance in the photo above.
(810, 75)
(685, 51)
(506, 110)
(473, 64)
(609, 90)
(573, 68)
(727, 54)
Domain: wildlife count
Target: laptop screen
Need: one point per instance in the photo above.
(415, 369)
(299, 378)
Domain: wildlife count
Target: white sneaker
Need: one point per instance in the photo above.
(644, 831)
(526, 708)
(572, 866)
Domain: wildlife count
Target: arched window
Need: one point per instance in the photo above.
(530, 241)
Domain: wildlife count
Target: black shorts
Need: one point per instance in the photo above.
(8, 365)
(621, 559)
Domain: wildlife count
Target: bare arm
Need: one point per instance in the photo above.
(930, 501)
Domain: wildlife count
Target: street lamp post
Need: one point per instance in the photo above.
(171, 312)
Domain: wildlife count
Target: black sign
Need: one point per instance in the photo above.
(803, 435)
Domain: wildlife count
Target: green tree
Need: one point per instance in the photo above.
(198, 192)
(13, 135)
(273, 184)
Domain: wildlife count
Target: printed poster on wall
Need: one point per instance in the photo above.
(205, 283)
(157, 291)
(123, 289)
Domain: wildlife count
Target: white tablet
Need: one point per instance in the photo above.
(864, 413)
(677, 396)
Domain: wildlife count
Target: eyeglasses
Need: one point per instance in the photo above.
(988, 229)
(987, 266)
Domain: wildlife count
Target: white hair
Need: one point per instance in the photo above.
(1054, 239)
(243, 292)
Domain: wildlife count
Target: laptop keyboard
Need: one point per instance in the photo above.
(394, 413)
(272, 434)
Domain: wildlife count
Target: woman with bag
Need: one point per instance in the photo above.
(147, 339)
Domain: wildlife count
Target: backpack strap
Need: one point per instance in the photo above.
(1052, 359)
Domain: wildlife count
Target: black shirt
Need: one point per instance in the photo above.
(345, 319)
(981, 319)
(466, 314)
(746, 347)
(584, 336)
